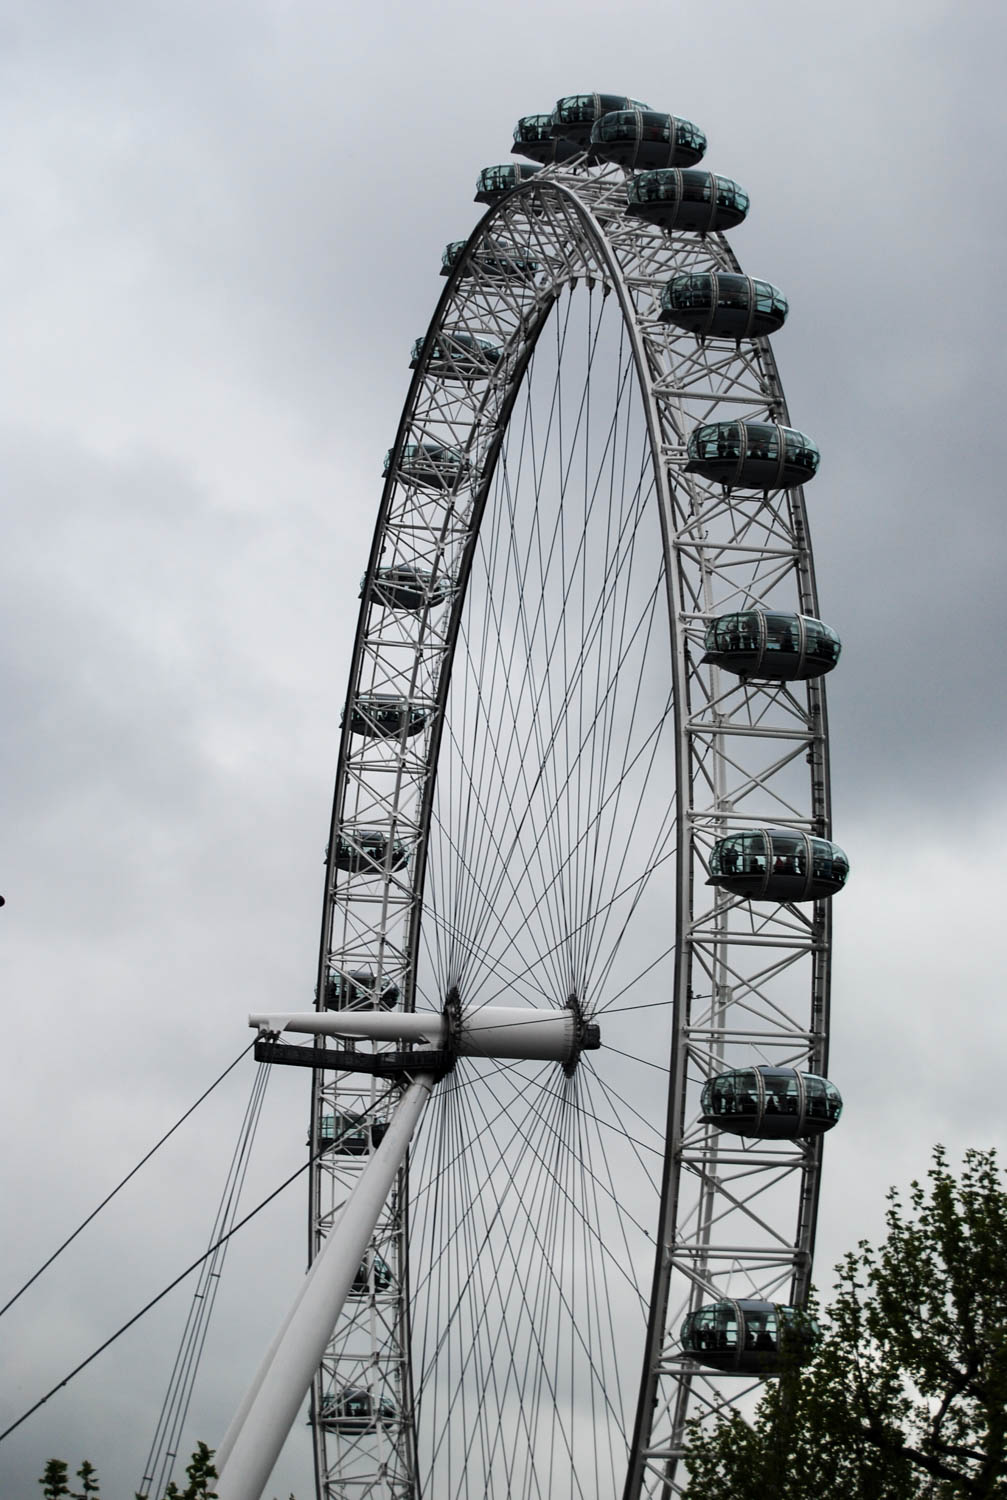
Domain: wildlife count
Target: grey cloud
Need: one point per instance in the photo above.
(223, 231)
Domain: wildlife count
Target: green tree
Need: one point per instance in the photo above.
(905, 1396)
(200, 1475)
(88, 1476)
(53, 1479)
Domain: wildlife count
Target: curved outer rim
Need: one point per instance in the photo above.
(651, 1462)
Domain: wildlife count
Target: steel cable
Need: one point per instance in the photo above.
(129, 1175)
(148, 1306)
(160, 1462)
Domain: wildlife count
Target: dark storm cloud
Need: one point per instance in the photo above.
(222, 231)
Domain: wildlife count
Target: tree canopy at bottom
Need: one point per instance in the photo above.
(905, 1395)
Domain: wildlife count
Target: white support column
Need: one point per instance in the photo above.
(253, 1441)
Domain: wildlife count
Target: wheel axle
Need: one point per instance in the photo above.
(491, 1031)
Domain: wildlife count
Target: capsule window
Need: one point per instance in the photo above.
(718, 1097)
(782, 1096)
(728, 856)
(730, 195)
(726, 443)
(765, 298)
(741, 854)
(617, 125)
(754, 854)
(815, 638)
(760, 1330)
(696, 187)
(693, 291)
(716, 1327)
(821, 855)
(764, 442)
(801, 450)
(789, 856)
(738, 633)
(720, 633)
(609, 102)
(496, 178)
(720, 441)
(746, 1093)
(782, 633)
(533, 128)
(731, 1094)
(732, 291)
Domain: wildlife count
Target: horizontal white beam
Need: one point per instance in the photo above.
(491, 1031)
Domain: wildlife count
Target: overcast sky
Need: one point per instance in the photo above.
(222, 224)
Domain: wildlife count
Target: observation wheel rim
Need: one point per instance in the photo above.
(594, 231)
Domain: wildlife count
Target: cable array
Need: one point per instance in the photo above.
(168, 1430)
(128, 1177)
(149, 1306)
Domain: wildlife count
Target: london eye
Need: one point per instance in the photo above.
(582, 784)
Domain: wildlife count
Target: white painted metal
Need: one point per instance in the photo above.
(496, 1031)
(252, 1444)
(493, 1031)
(427, 1028)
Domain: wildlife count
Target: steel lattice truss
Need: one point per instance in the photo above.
(726, 1217)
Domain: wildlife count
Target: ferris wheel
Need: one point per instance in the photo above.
(582, 781)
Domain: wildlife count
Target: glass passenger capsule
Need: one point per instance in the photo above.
(382, 716)
(752, 455)
(366, 851)
(407, 588)
(770, 645)
(534, 138)
(644, 138)
(767, 1103)
(350, 1135)
(778, 864)
(686, 199)
(749, 1336)
(357, 1411)
(358, 990)
(490, 261)
(374, 1271)
(575, 114)
(494, 183)
(723, 305)
(458, 356)
(428, 464)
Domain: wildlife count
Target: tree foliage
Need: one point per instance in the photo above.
(200, 1475)
(54, 1481)
(905, 1397)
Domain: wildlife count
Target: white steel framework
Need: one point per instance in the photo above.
(536, 830)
